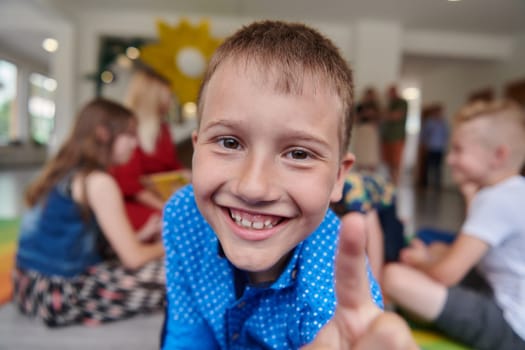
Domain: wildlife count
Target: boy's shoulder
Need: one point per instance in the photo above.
(181, 212)
(184, 227)
(513, 186)
(183, 194)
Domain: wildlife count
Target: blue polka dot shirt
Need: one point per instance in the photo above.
(203, 309)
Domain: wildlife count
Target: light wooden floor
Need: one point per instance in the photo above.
(431, 209)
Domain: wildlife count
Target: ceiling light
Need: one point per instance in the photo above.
(107, 77)
(50, 44)
(189, 110)
(124, 61)
(132, 52)
(411, 93)
(454, 0)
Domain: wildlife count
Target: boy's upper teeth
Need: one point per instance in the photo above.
(246, 223)
(257, 222)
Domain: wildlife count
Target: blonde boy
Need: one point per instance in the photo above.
(487, 152)
(250, 245)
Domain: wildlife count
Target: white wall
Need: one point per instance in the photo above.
(457, 44)
(514, 68)
(377, 54)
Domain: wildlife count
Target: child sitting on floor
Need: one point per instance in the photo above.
(374, 197)
(488, 149)
(76, 208)
(250, 246)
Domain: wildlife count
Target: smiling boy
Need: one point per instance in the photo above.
(486, 155)
(250, 245)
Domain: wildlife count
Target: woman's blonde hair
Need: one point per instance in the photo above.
(149, 97)
(148, 94)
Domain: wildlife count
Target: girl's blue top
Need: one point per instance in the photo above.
(55, 239)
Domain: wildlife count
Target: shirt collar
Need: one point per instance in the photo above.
(286, 279)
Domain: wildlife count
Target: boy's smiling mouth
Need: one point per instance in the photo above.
(254, 221)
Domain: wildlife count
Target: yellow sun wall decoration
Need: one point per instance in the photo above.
(181, 56)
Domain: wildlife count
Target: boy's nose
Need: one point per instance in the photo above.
(255, 180)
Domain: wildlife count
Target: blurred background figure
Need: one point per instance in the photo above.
(149, 97)
(75, 217)
(375, 197)
(365, 135)
(393, 132)
(434, 139)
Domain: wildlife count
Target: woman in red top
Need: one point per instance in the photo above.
(150, 98)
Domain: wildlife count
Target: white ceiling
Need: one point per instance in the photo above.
(500, 17)
(480, 16)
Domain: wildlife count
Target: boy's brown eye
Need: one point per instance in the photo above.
(299, 154)
(230, 143)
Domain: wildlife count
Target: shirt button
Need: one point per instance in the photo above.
(235, 336)
(294, 274)
(241, 305)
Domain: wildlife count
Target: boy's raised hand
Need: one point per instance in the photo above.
(358, 324)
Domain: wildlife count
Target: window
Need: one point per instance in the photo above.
(41, 107)
(8, 88)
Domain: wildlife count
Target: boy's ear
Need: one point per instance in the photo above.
(194, 138)
(344, 167)
(502, 154)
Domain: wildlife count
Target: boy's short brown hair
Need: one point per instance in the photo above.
(291, 51)
(507, 123)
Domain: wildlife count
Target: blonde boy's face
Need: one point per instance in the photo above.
(265, 166)
(471, 157)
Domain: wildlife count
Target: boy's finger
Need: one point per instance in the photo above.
(352, 285)
(387, 332)
(328, 338)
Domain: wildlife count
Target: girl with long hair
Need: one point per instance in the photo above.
(75, 213)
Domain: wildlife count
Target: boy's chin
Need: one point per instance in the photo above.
(251, 264)
(259, 266)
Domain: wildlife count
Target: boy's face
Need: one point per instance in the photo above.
(471, 157)
(265, 166)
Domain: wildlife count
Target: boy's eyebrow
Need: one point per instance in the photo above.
(304, 136)
(291, 134)
(297, 135)
(218, 123)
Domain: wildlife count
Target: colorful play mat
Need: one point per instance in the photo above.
(8, 233)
